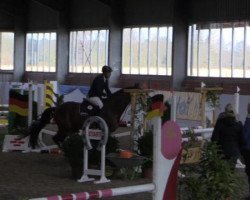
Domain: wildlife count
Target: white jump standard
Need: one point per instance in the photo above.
(102, 136)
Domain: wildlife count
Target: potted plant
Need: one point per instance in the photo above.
(73, 151)
(210, 179)
(145, 147)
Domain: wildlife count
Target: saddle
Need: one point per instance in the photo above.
(88, 109)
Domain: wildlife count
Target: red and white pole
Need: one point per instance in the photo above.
(102, 193)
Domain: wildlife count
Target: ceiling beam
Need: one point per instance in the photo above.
(55, 5)
(106, 2)
(13, 8)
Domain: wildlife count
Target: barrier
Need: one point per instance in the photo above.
(102, 193)
(43, 94)
(41, 142)
(101, 136)
(205, 133)
(20, 103)
(166, 156)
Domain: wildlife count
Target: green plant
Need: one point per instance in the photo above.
(213, 98)
(191, 152)
(73, 151)
(145, 146)
(211, 179)
(129, 173)
(192, 140)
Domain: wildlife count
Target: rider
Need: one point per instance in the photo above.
(99, 91)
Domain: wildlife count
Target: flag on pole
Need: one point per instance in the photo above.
(18, 103)
(156, 108)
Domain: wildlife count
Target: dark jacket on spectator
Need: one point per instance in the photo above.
(246, 145)
(228, 134)
(246, 134)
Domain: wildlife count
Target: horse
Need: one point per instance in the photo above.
(69, 119)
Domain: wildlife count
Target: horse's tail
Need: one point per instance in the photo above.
(34, 131)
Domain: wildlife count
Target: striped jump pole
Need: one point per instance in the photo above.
(30, 103)
(167, 154)
(50, 94)
(98, 194)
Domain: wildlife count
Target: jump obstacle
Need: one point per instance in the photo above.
(99, 135)
(46, 90)
(166, 159)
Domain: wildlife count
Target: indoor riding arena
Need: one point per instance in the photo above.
(121, 99)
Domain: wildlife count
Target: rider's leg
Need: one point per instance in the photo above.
(96, 101)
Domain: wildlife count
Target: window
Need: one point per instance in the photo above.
(219, 50)
(41, 52)
(88, 51)
(6, 51)
(147, 50)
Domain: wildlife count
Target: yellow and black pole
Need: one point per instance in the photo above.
(48, 95)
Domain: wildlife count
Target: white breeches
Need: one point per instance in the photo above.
(96, 101)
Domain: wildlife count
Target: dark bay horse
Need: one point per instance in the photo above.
(69, 121)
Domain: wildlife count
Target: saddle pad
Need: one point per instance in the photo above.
(88, 109)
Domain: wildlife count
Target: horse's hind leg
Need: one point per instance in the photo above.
(59, 138)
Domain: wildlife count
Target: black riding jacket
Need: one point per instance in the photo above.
(100, 88)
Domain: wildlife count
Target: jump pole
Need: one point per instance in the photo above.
(167, 156)
(30, 103)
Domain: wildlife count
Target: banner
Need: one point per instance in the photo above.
(188, 104)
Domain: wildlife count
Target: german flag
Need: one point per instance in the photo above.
(18, 103)
(157, 107)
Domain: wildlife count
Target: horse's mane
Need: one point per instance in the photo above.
(114, 107)
(121, 91)
(118, 92)
(120, 96)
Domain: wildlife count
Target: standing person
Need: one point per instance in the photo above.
(246, 144)
(99, 91)
(228, 135)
